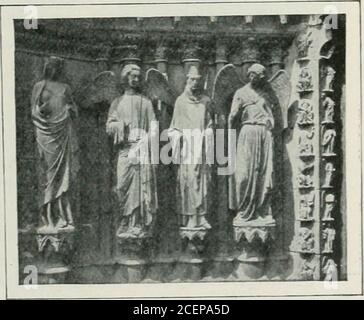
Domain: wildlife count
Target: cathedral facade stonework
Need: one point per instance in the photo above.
(266, 91)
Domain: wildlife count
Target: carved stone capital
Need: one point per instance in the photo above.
(55, 240)
(191, 52)
(193, 233)
(276, 51)
(127, 54)
(221, 51)
(249, 231)
(161, 53)
(250, 51)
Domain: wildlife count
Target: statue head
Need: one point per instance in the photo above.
(130, 76)
(193, 80)
(53, 68)
(256, 74)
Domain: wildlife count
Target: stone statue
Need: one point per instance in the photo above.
(130, 125)
(305, 145)
(328, 141)
(329, 206)
(194, 177)
(252, 181)
(305, 181)
(329, 106)
(53, 115)
(328, 234)
(329, 78)
(307, 271)
(303, 42)
(305, 113)
(330, 270)
(306, 206)
(305, 80)
(329, 170)
(306, 241)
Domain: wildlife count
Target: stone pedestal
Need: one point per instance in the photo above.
(132, 258)
(190, 265)
(55, 247)
(253, 240)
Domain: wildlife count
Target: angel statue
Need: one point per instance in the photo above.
(258, 110)
(191, 112)
(129, 122)
(53, 114)
(130, 126)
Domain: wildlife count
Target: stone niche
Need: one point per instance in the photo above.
(307, 239)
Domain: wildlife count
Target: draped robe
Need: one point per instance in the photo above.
(56, 138)
(136, 181)
(251, 184)
(193, 178)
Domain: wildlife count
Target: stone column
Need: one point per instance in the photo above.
(221, 243)
(191, 56)
(249, 55)
(277, 54)
(166, 234)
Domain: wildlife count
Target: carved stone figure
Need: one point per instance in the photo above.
(307, 271)
(329, 170)
(306, 206)
(53, 114)
(194, 179)
(329, 106)
(330, 270)
(328, 141)
(305, 80)
(305, 113)
(305, 181)
(305, 145)
(329, 78)
(253, 175)
(328, 235)
(303, 42)
(329, 206)
(306, 241)
(129, 124)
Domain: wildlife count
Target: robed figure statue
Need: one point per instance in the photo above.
(53, 114)
(191, 115)
(251, 190)
(129, 124)
(257, 116)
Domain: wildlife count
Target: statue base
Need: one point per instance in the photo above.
(55, 248)
(190, 265)
(253, 242)
(133, 258)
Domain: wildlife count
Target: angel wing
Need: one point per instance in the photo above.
(158, 88)
(226, 82)
(281, 85)
(103, 88)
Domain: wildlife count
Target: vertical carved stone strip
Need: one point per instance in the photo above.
(310, 41)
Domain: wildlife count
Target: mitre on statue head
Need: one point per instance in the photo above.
(193, 72)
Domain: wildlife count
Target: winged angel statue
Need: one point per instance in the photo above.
(257, 113)
(130, 124)
(256, 110)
